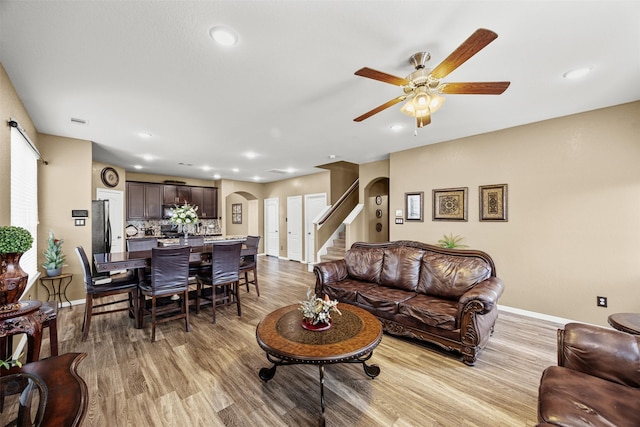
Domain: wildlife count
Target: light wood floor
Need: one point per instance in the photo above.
(209, 377)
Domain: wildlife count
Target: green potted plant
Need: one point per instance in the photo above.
(14, 241)
(53, 256)
(451, 242)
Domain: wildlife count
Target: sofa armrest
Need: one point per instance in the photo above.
(602, 352)
(488, 291)
(329, 272)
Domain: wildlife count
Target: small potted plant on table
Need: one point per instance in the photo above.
(316, 312)
(53, 256)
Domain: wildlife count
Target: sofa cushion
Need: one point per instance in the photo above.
(401, 267)
(435, 312)
(450, 276)
(382, 298)
(570, 398)
(346, 290)
(364, 264)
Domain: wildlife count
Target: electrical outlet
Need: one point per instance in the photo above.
(602, 301)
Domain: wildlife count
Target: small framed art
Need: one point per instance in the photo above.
(450, 204)
(236, 213)
(493, 202)
(414, 206)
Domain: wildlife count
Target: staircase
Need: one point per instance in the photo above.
(336, 251)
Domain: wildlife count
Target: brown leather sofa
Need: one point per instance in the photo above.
(444, 296)
(596, 382)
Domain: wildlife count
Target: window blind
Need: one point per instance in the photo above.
(24, 197)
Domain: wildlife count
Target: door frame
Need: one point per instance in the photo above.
(309, 229)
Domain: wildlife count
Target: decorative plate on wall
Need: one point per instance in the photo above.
(110, 177)
(378, 200)
(378, 227)
(378, 213)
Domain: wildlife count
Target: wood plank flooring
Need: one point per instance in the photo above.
(209, 377)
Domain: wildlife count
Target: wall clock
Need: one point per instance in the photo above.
(110, 177)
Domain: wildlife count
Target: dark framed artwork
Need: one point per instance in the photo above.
(493, 202)
(450, 204)
(236, 213)
(413, 206)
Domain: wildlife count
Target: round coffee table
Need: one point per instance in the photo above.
(351, 339)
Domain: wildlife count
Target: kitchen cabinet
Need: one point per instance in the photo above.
(144, 201)
(209, 203)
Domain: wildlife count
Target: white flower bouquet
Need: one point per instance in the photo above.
(184, 215)
(317, 310)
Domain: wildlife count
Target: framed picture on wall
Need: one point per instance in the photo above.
(236, 213)
(413, 206)
(493, 202)
(450, 204)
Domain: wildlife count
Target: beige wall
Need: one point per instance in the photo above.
(241, 229)
(65, 184)
(573, 204)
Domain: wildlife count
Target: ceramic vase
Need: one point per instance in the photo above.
(13, 279)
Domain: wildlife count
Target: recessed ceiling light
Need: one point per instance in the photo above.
(396, 127)
(144, 135)
(236, 170)
(224, 36)
(577, 73)
(216, 176)
(138, 166)
(206, 168)
(148, 157)
(332, 156)
(251, 155)
(256, 178)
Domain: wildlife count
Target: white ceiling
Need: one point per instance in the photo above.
(286, 92)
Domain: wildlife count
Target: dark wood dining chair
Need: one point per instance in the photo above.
(196, 267)
(223, 278)
(142, 244)
(169, 276)
(104, 286)
(249, 263)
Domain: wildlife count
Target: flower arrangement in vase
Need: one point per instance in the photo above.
(316, 312)
(14, 241)
(53, 256)
(184, 215)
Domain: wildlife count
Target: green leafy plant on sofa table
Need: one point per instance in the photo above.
(451, 241)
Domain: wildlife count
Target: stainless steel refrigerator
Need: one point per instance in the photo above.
(100, 227)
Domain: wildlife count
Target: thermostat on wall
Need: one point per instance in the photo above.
(80, 213)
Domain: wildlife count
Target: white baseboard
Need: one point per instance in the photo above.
(535, 315)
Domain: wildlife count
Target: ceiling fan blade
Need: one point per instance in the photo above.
(380, 108)
(476, 88)
(380, 76)
(423, 121)
(476, 42)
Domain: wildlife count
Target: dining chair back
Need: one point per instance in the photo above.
(249, 263)
(169, 276)
(142, 244)
(102, 286)
(223, 278)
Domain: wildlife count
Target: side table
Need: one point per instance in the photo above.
(62, 281)
(626, 322)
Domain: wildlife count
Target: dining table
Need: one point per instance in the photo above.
(139, 260)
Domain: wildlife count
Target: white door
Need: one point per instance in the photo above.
(116, 216)
(294, 228)
(271, 225)
(313, 205)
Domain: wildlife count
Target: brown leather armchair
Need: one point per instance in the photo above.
(596, 382)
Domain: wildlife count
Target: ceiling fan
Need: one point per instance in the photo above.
(423, 87)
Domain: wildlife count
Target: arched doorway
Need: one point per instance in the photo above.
(241, 214)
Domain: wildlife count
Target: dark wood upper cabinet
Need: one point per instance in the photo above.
(144, 200)
(209, 202)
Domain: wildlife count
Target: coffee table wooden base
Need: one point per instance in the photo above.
(352, 338)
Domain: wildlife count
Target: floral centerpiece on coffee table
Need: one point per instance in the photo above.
(316, 312)
(184, 215)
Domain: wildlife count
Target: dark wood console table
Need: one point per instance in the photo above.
(67, 392)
